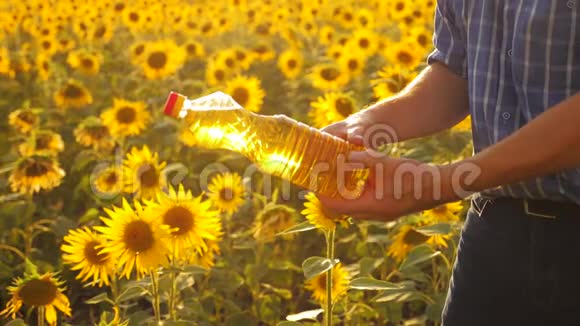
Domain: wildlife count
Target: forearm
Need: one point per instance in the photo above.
(548, 144)
(436, 100)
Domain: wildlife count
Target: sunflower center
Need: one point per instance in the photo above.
(442, 209)
(329, 74)
(230, 62)
(344, 106)
(352, 64)
(43, 142)
(100, 32)
(87, 63)
(219, 75)
(112, 178)
(322, 281)
(348, 17)
(241, 95)
(191, 49)
(404, 57)
(364, 43)
(292, 63)
(139, 49)
(413, 237)
(36, 169)
(400, 6)
(226, 194)
(179, 217)
(133, 17)
(261, 49)
(126, 115)
(149, 177)
(393, 87)
(45, 65)
(46, 45)
(93, 255)
(138, 236)
(422, 40)
(98, 132)
(27, 117)
(157, 60)
(240, 55)
(206, 28)
(73, 91)
(38, 292)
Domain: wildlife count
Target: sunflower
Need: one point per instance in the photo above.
(38, 291)
(263, 51)
(328, 76)
(44, 143)
(290, 63)
(108, 181)
(92, 132)
(136, 51)
(47, 45)
(404, 54)
(162, 59)
(227, 58)
(35, 173)
(404, 240)
(137, 240)
(246, 91)
(365, 40)
(327, 34)
(192, 221)
(346, 18)
(365, 18)
(226, 192)
(444, 213)
(65, 44)
(352, 61)
(82, 250)
(319, 216)
(194, 49)
(334, 52)
(421, 37)
(85, 62)
(244, 58)
(126, 118)
(464, 125)
(133, 19)
(206, 258)
(340, 281)
(143, 173)
(23, 120)
(43, 66)
(216, 74)
(399, 9)
(271, 220)
(73, 95)
(330, 108)
(392, 80)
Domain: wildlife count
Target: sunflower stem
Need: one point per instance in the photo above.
(173, 289)
(330, 256)
(115, 294)
(155, 293)
(40, 315)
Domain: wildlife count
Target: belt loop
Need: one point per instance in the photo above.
(529, 212)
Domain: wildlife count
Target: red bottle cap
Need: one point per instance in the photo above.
(171, 109)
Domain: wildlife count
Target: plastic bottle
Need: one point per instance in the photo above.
(278, 145)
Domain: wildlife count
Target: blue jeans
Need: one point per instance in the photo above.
(516, 264)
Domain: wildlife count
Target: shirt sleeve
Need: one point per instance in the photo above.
(448, 42)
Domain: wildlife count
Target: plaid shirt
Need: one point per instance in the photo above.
(520, 57)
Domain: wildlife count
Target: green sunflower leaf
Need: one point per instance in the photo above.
(304, 226)
(308, 315)
(369, 283)
(314, 266)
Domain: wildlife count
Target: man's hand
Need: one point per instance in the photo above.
(395, 187)
(354, 128)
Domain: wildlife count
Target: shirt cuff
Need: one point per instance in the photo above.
(455, 66)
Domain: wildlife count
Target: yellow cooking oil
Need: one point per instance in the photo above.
(278, 145)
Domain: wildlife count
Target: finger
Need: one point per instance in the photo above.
(337, 129)
(367, 157)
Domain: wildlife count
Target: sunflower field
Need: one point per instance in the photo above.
(105, 215)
